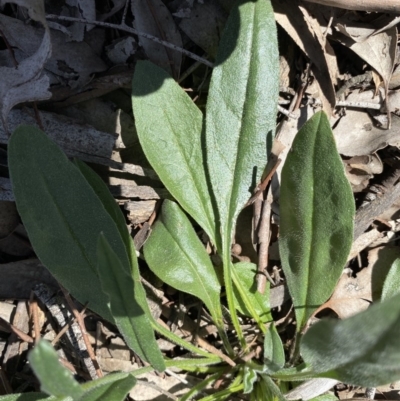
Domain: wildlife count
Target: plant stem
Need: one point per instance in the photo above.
(179, 341)
(226, 260)
(223, 394)
(247, 301)
(200, 386)
(295, 349)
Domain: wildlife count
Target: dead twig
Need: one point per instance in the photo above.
(81, 323)
(125, 28)
(19, 333)
(263, 239)
(366, 214)
(62, 316)
(33, 309)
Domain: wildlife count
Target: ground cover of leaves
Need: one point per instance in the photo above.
(73, 81)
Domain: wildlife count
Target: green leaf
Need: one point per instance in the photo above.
(113, 387)
(246, 272)
(363, 350)
(240, 119)
(391, 285)
(169, 127)
(108, 201)
(274, 354)
(316, 217)
(249, 378)
(129, 316)
(54, 378)
(114, 211)
(241, 107)
(271, 390)
(62, 215)
(176, 255)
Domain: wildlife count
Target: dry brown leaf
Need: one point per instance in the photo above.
(360, 169)
(357, 134)
(35, 8)
(203, 24)
(26, 82)
(354, 294)
(153, 17)
(85, 9)
(379, 51)
(70, 62)
(364, 241)
(358, 32)
(302, 28)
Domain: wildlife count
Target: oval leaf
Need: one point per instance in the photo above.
(129, 316)
(62, 215)
(246, 272)
(54, 378)
(274, 354)
(169, 127)
(363, 350)
(175, 254)
(108, 201)
(316, 217)
(241, 108)
(391, 285)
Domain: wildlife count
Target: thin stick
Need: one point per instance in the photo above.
(126, 28)
(82, 326)
(19, 333)
(287, 113)
(62, 332)
(264, 238)
(261, 188)
(33, 306)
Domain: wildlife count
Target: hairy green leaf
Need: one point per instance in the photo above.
(271, 390)
(249, 378)
(129, 316)
(101, 190)
(62, 215)
(391, 285)
(274, 354)
(241, 107)
(363, 350)
(54, 378)
(113, 387)
(175, 254)
(240, 119)
(114, 211)
(246, 272)
(109, 203)
(169, 127)
(316, 217)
